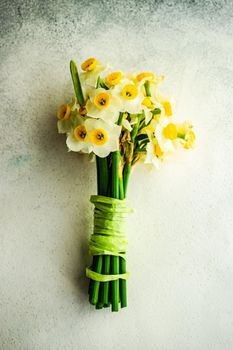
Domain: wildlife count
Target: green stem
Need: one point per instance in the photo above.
(115, 259)
(94, 294)
(102, 182)
(116, 192)
(127, 171)
(123, 288)
(123, 285)
(102, 175)
(121, 187)
(106, 271)
(115, 284)
(115, 177)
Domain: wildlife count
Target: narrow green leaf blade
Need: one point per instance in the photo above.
(76, 83)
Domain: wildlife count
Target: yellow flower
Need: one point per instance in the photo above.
(167, 108)
(186, 135)
(64, 112)
(78, 139)
(166, 104)
(154, 153)
(103, 104)
(89, 64)
(129, 92)
(102, 100)
(80, 133)
(145, 75)
(104, 137)
(147, 102)
(89, 77)
(170, 131)
(190, 139)
(113, 78)
(98, 137)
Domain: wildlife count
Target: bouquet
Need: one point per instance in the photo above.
(121, 119)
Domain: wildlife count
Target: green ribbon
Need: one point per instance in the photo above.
(109, 235)
(105, 278)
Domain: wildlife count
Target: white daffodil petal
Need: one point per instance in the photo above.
(104, 136)
(151, 158)
(77, 146)
(148, 115)
(110, 112)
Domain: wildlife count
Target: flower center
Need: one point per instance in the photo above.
(113, 78)
(99, 137)
(63, 112)
(89, 64)
(80, 133)
(143, 75)
(170, 131)
(129, 92)
(102, 100)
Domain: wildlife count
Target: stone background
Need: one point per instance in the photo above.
(181, 240)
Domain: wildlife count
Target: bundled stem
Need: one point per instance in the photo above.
(99, 261)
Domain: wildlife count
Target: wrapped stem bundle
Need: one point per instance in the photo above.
(122, 119)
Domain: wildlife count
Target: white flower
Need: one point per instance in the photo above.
(167, 145)
(78, 140)
(92, 70)
(67, 116)
(104, 137)
(159, 146)
(151, 157)
(103, 104)
(94, 135)
(129, 97)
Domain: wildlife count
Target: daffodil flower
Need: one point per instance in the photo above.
(103, 104)
(166, 103)
(147, 106)
(153, 79)
(78, 139)
(103, 136)
(67, 115)
(113, 79)
(167, 144)
(129, 97)
(186, 135)
(92, 69)
(160, 145)
(153, 154)
(94, 135)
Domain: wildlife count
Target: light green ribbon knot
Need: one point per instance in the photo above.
(109, 234)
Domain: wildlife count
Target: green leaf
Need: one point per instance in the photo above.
(147, 88)
(100, 84)
(76, 83)
(141, 137)
(181, 136)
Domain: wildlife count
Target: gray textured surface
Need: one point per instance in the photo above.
(181, 258)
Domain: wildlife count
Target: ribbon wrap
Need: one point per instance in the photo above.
(109, 234)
